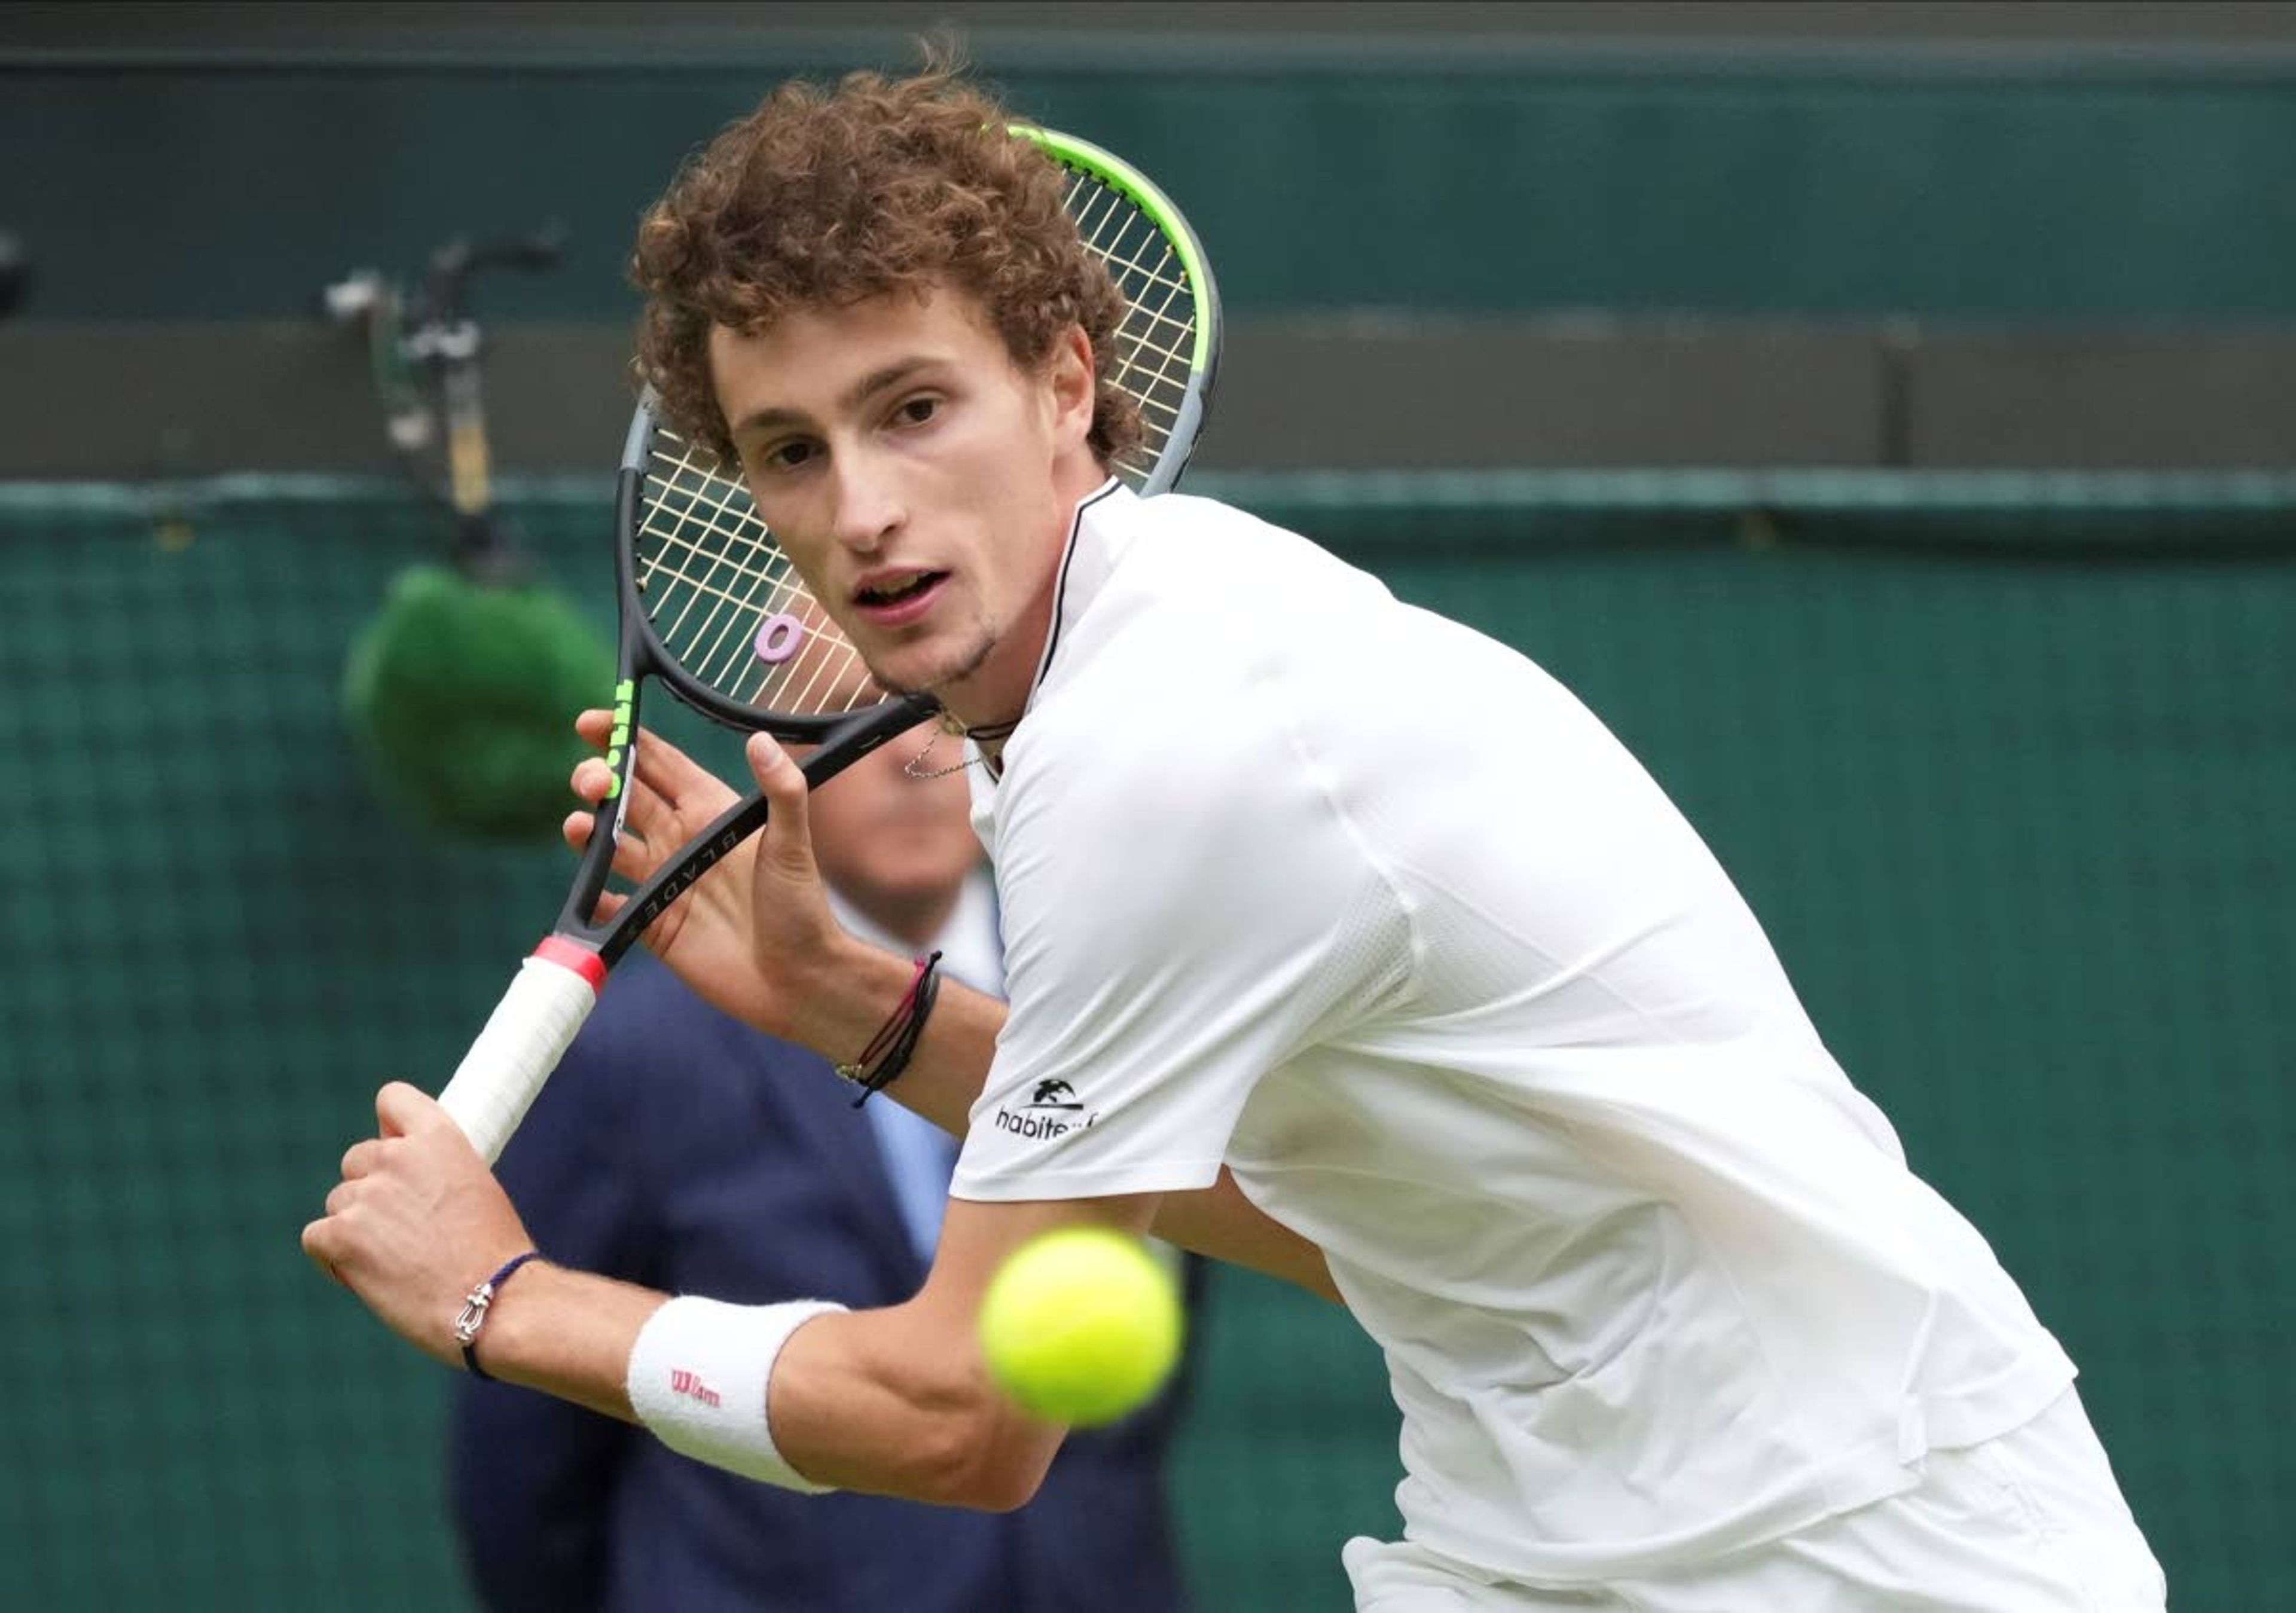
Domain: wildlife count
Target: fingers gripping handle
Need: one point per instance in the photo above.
(527, 1034)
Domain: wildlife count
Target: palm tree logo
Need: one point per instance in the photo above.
(1054, 1094)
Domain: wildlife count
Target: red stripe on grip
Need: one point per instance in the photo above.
(575, 956)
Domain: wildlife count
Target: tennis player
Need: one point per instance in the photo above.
(1353, 946)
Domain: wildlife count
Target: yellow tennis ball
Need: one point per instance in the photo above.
(1080, 1325)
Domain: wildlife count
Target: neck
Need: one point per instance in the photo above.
(914, 919)
(987, 706)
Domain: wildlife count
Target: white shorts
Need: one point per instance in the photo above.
(2031, 1522)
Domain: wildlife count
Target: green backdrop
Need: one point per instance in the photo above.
(1883, 181)
(2006, 764)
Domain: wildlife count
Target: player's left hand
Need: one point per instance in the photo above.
(708, 936)
(417, 1222)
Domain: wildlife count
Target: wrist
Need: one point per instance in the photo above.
(888, 1052)
(567, 1333)
(477, 1305)
(844, 997)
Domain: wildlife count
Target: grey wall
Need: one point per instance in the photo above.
(1552, 234)
(143, 400)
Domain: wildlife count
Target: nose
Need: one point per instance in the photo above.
(866, 511)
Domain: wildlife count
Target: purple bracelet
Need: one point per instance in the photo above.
(473, 1314)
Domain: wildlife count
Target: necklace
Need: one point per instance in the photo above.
(986, 732)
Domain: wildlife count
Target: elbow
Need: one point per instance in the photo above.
(1003, 1489)
(986, 1459)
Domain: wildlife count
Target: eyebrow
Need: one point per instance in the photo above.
(860, 392)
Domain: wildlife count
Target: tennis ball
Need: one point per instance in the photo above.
(1081, 1325)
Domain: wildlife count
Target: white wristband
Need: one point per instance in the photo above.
(698, 1376)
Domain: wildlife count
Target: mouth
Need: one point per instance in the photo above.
(896, 597)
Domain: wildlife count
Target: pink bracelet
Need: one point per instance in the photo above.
(887, 1052)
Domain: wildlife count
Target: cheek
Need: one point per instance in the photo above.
(1020, 501)
(801, 552)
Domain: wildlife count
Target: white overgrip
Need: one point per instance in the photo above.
(524, 1038)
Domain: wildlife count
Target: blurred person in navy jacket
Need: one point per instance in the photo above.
(679, 1149)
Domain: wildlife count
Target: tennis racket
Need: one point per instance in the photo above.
(713, 612)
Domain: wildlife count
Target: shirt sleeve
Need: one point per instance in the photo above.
(1172, 933)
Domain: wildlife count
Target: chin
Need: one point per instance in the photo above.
(927, 672)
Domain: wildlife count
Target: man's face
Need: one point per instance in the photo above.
(921, 483)
(896, 844)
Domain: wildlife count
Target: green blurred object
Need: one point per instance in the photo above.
(462, 696)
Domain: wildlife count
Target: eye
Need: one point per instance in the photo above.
(787, 454)
(916, 411)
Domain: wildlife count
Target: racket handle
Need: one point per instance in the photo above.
(524, 1038)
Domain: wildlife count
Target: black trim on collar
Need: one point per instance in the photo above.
(1060, 582)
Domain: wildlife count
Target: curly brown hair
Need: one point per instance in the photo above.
(825, 198)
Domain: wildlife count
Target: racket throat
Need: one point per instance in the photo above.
(575, 957)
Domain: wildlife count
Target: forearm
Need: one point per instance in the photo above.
(875, 1400)
(849, 997)
(893, 1402)
(899, 1401)
(567, 1333)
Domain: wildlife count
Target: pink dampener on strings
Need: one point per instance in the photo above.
(779, 637)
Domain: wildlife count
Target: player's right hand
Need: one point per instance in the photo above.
(416, 1219)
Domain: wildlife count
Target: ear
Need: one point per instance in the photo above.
(1075, 387)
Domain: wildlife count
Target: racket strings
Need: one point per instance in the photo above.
(1149, 288)
(742, 547)
(719, 563)
(724, 600)
(1157, 342)
(716, 585)
(713, 542)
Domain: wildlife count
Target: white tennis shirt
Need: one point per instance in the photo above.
(1301, 880)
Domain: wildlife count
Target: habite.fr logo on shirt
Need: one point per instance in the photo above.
(1050, 1112)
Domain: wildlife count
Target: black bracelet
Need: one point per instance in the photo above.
(473, 1314)
(922, 991)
